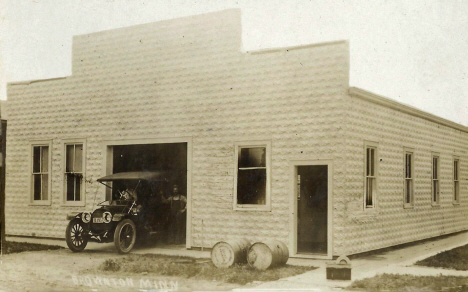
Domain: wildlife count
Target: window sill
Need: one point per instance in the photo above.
(370, 209)
(435, 204)
(264, 208)
(40, 203)
(408, 206)
(456, 203)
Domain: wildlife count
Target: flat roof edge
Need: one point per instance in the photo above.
(387, 102)
(299, 47)
(36, 81)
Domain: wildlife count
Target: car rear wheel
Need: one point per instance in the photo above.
(125, 236)
(76, 236)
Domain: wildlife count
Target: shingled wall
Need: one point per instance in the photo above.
(396, 127)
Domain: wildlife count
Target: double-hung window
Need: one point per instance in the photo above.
(74, 172)
(40, 173)
(456, 184)
(252, 180)
(370, 168)
(435, 179)
(409, 172)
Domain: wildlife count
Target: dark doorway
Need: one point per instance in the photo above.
(167, 157)
(312, 209)
(170, 158)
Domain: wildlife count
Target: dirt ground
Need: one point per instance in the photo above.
(63, 270)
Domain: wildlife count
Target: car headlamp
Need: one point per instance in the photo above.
(86, 217)
(107, 216)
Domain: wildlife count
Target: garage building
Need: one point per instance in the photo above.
(270, 144)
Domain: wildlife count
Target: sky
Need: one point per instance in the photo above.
(414, 52)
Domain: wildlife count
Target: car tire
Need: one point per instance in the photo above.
(75, 236)
(125, 236)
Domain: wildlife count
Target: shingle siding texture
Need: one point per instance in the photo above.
(183, 78)
(391, 224)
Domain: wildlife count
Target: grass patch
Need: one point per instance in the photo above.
(393, 282)
(201, 269)
(456, 259)
(16, 247)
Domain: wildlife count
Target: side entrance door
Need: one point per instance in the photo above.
(312, 209)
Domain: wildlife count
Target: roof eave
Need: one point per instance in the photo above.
(387, 102)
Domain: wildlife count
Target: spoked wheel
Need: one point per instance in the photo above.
(124, 236)
(76, 236)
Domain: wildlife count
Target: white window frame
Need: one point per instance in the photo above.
(408, 177)
(435, 177)
(82, 200)
(253, 207)
(374, 177)
(456, 179)
(47, 202)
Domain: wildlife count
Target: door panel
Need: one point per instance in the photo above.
(312, 209)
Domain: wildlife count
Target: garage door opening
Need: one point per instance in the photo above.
(164, 204)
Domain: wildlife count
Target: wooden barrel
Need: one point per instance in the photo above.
(226, 253)
(264, 255)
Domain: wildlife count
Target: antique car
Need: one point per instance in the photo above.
(132, 212)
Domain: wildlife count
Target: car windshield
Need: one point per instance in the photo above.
(133, 186)
(139, 187)
(139, 191)
(125, 190)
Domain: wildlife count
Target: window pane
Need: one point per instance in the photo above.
(434, 194)
(45, 159)
(372, 162)
(368, 162)
(77, 188)
(433, 167)
(251, 186)
(70, 187)
(455, 170)
(408, 191)
(37, 186)
(369, 191)
(456, 191)
(406, 166)
(45, 186)
(78, 158)
(410, 175)
(36, 159)
(252, 157)
(70, 156)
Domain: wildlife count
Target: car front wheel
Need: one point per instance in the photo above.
(124, 236)
(76, 236)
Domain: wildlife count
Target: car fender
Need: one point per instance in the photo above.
(119, 217)
(73, 215)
